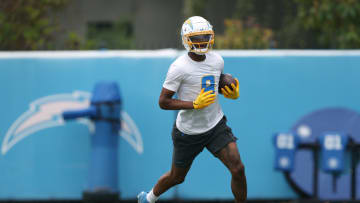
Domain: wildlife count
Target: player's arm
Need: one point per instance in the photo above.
(166, 101)
(203, 100)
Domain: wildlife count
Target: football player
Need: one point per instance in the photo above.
(200, 122)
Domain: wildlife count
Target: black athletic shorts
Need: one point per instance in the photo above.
(187, 147)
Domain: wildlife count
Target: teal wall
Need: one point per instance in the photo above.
(276, 90)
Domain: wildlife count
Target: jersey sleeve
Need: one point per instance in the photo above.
(221, 64)
(173, 78)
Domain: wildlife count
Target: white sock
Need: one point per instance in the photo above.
(151, 197)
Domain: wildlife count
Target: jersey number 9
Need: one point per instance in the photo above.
(208, 82)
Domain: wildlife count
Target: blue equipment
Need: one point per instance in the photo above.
(285, 146)
(104, 111)
(333, 146)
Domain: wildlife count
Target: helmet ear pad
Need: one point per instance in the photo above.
(186, 43)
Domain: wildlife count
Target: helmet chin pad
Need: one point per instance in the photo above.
(200, 51)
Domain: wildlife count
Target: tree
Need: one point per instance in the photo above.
(27, 25)
(240, 35)
(334, 22)
(274, 22)
(305, 24)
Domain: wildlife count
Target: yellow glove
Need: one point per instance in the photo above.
(204, 99)
(231, 94)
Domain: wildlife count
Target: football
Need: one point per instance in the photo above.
(226, 79)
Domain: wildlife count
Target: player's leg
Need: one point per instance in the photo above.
(175, 176)
(223, 146)
(230, 156)
(186, 148)
(171, 178)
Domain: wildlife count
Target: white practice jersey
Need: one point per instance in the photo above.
(187, 77)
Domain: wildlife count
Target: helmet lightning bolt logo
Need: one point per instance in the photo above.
(46, 112)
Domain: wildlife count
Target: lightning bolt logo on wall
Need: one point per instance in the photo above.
(46, 112)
